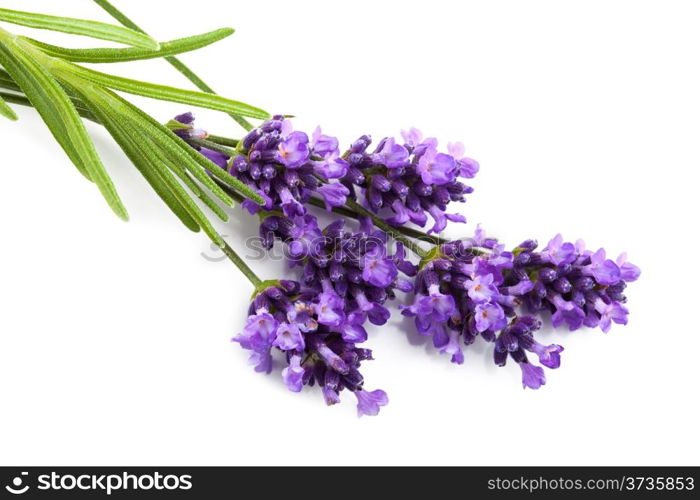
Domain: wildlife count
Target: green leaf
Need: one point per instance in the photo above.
(83, 27)
(7, 82)
(162, 92)
(147, 153)
(61, 117)
(23, 101)
(7, 111)
(144, 162)
(175, 149)
(181, 195)
(112, 55)
(192, 185)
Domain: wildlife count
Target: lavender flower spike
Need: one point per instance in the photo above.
(466, 289)
(307, 329)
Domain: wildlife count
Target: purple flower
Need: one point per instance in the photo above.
(481, 288)
(215, 157)
(293, 375)
(188, 131)
(304, 237)
(628, 271)
(368, 403)
(391, 155)
(334, 195)
(605, 271)
(566, 312)
(558, 252)
(331, 165)
(377, 269)
(439, 306)
(352, 329)
(257, 336)
(489, 317)
(329, 309)
(453, 348)
(294, 150)
(533, 376)
(412, 137)
(609, 313)
(431, 309)
(436, 168)
(441, 219)
(414, 142)
(323, 145)
(185, 118)
(289, 338)
(549, 355)
(467, 167)
(291, 206)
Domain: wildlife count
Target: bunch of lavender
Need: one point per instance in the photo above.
(412, 180)
(317, 340)
(463, 289)
(475, 288)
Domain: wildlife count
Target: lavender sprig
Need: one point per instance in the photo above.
(412, 180)
(317, 339)
(475, 288)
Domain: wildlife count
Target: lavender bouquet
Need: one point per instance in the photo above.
(344, 277)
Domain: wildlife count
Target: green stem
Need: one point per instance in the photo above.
(420, 235)
(174, 61)
(224, 141)
(241, 264)
(406, 231)
(213, 146)
(381, 224)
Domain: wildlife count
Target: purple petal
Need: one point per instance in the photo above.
(368, 403)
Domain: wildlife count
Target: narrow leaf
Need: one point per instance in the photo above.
(192, 185)
(23, 101)
(7, 111)
(182, 197)
(111, 55)
(144, 163)
(61, 117)
(7, 82)
(152, 161)
(83, 27)
(162, 92)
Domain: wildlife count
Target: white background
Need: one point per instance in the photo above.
(114, 337)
